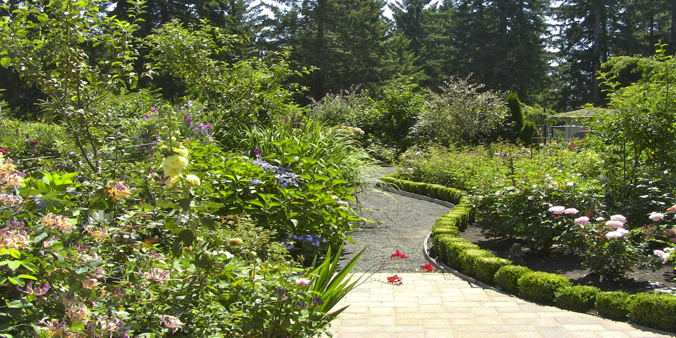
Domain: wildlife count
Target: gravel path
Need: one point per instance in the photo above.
(397, 223)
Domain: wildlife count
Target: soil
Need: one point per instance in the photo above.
(571, 266)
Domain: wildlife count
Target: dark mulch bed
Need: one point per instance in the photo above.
(570, 265)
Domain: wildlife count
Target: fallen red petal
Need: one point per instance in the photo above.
(396, 280)
(427, 267)
(398, 254)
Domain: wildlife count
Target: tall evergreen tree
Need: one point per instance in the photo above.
(500, 42)
(408, 18)
(584, 46)
(345, 40)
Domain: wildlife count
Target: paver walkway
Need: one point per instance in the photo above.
(430, 305)
(442, 304)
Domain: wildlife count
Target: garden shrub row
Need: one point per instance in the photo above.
(651, 310)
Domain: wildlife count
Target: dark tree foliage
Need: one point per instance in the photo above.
(493, 40)
(409, 16)
(345, 40)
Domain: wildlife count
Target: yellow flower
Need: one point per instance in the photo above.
(117, 191)
(235, 241)
(171, 172)
(175, 161)
(193, 180)
(172, 182)
(182, 151)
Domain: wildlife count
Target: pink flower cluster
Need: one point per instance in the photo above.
(14, 237)
(57, 222)
(157, 275)
(171, 322)
(664, 254)
(561, 210)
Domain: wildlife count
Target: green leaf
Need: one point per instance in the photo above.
(40, 237)
(5, 62)
(92, 263)
(27, 277)
(186, 236)
(14, 264)
(81, 269)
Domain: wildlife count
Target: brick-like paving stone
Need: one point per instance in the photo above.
(443, 305)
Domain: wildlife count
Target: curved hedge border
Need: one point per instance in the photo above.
(651, 310)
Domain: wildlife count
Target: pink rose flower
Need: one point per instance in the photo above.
(656, 216)
(616, 234)
(571, 211)
(662, 255)
(619, 218)
(303, 281)
(615, 224)
(582, 220)
(557, 210)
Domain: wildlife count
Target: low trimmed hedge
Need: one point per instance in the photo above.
(455, 249)
(656, 311)
(467, 258)
(579, 298)
(613, 305)
(508, 277)
(541, 286)
(487, 267)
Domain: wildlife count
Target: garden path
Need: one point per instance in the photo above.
(438, 304)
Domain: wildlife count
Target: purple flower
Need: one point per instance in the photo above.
(154, 110)
(203, 129)
(257, 151)
(255, 181)
(39, 290)
(187, 119)
(317, 301)
(146, 117)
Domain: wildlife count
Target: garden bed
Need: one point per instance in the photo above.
(570, 265)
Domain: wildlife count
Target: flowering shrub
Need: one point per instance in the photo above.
(157, 252)
(611, 247)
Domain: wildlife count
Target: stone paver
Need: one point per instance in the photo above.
(442, 305)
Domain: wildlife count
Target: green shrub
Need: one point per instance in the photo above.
(580, 298)
(309, 149)
(463, 113)
(446, 220)
(613, 305)
(542, 286)
(34, 139)
(657, 311)
(467, 259)
(392, 182)
(454, 249)
(508, 276)
(486, 267)
(442, 241)
(450, 230)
